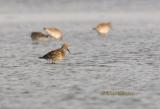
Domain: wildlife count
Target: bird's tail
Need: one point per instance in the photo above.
(44, 57)
(40, 57)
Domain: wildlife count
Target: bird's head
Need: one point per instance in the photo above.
(110, 24)
(66, 46)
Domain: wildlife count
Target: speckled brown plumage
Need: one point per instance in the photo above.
(38, 36)
(56, 55)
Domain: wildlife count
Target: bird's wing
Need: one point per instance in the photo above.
(56, 52)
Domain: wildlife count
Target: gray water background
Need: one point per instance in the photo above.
(128, 59)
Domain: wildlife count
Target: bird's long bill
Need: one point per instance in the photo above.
(68, 50)
(111, 27)
(94, 28)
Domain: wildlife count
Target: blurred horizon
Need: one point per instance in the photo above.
(48, 10)
(54, 6)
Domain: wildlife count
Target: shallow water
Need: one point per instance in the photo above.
(126, 60)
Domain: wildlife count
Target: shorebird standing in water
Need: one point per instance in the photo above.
(56, 55)
(103, 28)
(38, 36)
(54, 33)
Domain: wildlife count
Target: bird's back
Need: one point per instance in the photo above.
(38, 35)
(54, 54)
(103, 28)
(54, 32)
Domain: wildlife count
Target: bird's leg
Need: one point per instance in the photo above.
(48, 60)
(103, 35)
(53, 62)
(61, 38)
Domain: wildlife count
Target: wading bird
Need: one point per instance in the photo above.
(56, 55)
(54, 33)
(38, 36)
(103, 28)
